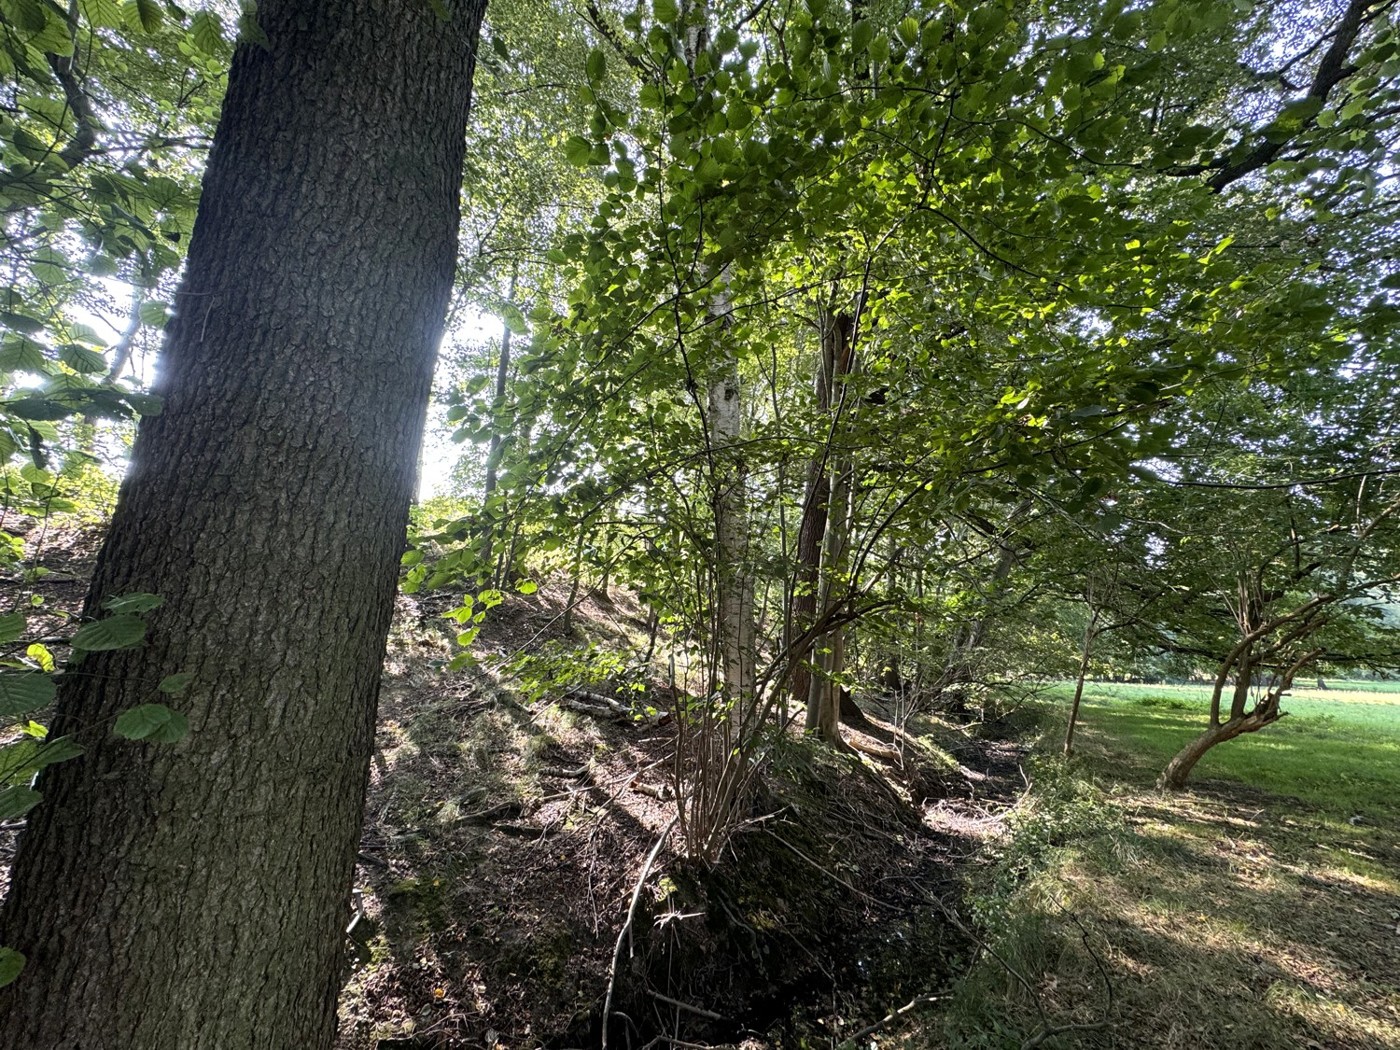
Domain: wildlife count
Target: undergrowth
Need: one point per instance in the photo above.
(1065, 818)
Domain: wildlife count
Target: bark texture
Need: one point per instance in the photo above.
(193, 896)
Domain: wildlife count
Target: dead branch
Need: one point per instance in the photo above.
(624, 933)
(850, 1042)
(699, 1011)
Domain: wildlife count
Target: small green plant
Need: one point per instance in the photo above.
(29, 680)
(558, 667)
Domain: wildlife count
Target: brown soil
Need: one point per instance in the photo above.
(504, 840)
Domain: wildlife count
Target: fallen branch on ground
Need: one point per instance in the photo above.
(849, 1043)
(699, 1011)
(625, 933)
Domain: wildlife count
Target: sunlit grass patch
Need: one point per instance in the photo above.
(1258, 910)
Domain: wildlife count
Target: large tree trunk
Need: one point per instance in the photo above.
(193, 896)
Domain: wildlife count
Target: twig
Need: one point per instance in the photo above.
(1064, 1029)
(850, 1042)
(699, 1011)
(622, 934)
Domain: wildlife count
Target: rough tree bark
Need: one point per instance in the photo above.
(193, 896)
(815, 507)
(821, 537)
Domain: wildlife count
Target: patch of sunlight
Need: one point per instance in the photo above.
(1327, 1014)
(1380, 882)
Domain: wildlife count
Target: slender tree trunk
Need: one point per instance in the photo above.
(733, 578)
(490, 523)
(809, 590)
(1090, 634)
(806, 584)
(823, 705)
(194, 896)
(575, 582)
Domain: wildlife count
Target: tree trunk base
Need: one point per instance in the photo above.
(1179, 769)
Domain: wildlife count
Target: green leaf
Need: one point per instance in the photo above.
(578, 150)
(861, 35)
(27, 14)
(154, 312)
(11, 963)
(24, 691)
(597, 65)
(11, 626)
(139, 602)
(666, 11)
(116, 632)
(40, 408)
(21, 323)
(175, 684)
(21, 354)
(40, 654)
(144, 404)
(16, 802)
(147, 13)
(54, 38)
(104, 13)
(20, 760)
(514, 319)
(81, 359)
(207, 31)
(527, 587)
(908, 30)
(152, 722)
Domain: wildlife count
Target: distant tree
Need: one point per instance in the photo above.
(193, 897)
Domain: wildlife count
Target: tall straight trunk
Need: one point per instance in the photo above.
(494, 451)
(806, 584)
(194, 896)
(832, 362)
(824, 696)
(733, 579)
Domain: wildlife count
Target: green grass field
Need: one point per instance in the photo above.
(1338, 749)
(1256, 910)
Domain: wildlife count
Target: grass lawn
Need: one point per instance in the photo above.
(1338, 750)
(1260, 909)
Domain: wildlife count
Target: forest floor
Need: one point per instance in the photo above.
(505, 835)
(1009, 899)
